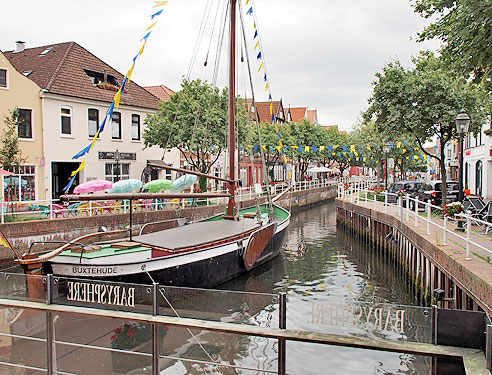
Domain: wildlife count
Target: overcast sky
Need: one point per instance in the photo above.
(319, 53)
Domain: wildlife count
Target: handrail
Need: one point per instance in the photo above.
(53, 253)
(267, 332)
(358, 189)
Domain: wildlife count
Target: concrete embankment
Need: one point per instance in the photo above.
(23, 234)
(422, 258)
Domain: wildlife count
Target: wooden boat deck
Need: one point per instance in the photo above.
(197, 234)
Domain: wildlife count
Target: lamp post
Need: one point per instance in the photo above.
(386, 149)
(117, 158)
(462, 125)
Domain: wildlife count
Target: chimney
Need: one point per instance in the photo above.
(105, 75)
(19, 46)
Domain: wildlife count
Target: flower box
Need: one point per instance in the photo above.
(452, 209)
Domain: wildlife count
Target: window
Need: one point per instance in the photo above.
(116, 171)
(135, 127)
(22, 185)
(97, 77)
(25, 123)
(93, 121)
(116, 126)
(66, 120)
(3, 78)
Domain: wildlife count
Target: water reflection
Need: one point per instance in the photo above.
(327, 274)
(329, 277)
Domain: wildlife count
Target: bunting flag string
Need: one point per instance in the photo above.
(117, 97)
(260, 56)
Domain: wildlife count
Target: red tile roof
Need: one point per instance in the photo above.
(162, 92)
(312, 116)
(263, 109)
(59, 69)
(297, 114)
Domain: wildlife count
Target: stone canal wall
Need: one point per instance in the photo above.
(425, 265)
(23, 234)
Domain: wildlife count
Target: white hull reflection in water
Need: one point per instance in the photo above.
(336, 285)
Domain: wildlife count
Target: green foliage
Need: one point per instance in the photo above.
(464, 27)
(195, 121)
(424, 102)
(10, 153)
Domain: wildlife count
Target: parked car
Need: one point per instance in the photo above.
(410, 187)
(432, 191)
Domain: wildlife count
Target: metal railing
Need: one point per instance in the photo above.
(54, 208)
(433, 218)
(53, 308)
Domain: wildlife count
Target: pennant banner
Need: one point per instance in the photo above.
(117, 97)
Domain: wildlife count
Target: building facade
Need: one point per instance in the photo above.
(17, 91)
(75, 90)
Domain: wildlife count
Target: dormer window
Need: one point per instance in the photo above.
(98, 78)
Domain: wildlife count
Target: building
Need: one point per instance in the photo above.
(75, 89)
(477, 162)
(18, 91)
(299, 113)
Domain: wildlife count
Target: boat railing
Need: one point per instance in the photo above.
(56, 209)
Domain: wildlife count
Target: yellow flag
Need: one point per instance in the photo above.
(4, 243)
(129, 74)
(117, 98)
(266, 87)
(142, 49)
(352, 148)
(264, 148)
(247, 1)
(271, 108)
(364, 159)
(261, 66)
(151, 26)
(160, 3)
(321, 148)
(369, 147)
(81, 166)
(257, 44)
(278, 148)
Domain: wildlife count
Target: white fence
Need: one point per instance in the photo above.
(54, 209)
(432, 216)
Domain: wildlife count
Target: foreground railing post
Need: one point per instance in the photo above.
(3, 212)
(49, 326)
(416, 211)
(468, 238)
(385, 201)
(400, 203)
(488, 348)
(155, 330)
(445, 232)
(282, 324)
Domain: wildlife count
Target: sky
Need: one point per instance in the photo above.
(322, 54)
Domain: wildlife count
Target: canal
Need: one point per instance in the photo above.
(333, 283)
(321, 264)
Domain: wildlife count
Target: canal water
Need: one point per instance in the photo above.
(331, 281)
(321, 264)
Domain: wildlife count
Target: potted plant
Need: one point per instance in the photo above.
(452, 209)
(488, 132)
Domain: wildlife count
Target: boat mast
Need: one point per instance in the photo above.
(232, 89)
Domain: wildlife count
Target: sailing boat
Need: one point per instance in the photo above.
(202, 254)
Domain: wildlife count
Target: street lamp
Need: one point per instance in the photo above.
(462, 125)
(117, 158)
(386, 149)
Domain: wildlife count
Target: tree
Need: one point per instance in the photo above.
(305, 141)
(464, 27)
(10, 153)
(424, 101)
(195, 121)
